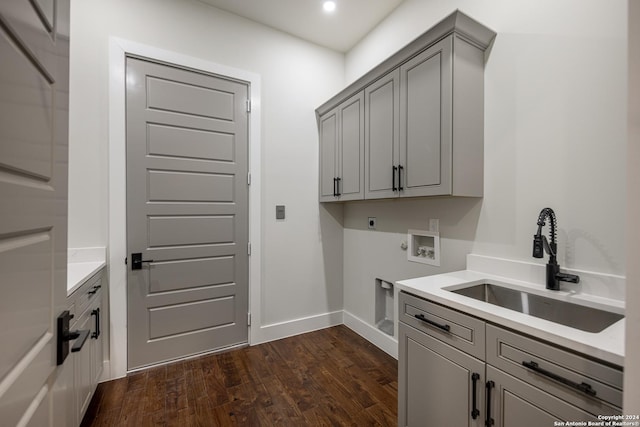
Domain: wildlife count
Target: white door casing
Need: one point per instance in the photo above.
(119, 49)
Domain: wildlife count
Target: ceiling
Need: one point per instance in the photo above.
(339, 30)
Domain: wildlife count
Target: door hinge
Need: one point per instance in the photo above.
(249, 248)
(248, 105)
(248, 319)
(248, 178)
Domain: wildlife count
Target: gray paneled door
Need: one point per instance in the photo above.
(34, 100)
(187, 211)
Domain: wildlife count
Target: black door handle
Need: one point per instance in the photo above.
(474, 405)
(136, 261)
(80, 337)
(393, 179)
(400, 169)
(96, 313)
(421, 317)
(583, 387)
(488, 422)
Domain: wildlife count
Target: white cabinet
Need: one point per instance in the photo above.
(86, 306)
(455, 369)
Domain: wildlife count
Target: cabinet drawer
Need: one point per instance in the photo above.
(574, 378)
(454, 328)
(88, 292)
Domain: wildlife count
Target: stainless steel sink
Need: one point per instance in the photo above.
(573, 315)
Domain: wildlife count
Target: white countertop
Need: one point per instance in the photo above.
(82, 263)
(607, 345)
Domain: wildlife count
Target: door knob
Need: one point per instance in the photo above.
(65, 335)
(136, 261)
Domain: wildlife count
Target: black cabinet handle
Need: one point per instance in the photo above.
(94, 289)
(474, 405)
(583, 387)
(136, 261)
(431, 322)
(338, 194)
(334, 187)
(80, 337)
(96, 313)
(400, 169)
(488, 422)
(393, 179)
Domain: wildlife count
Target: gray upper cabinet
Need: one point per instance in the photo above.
(342, 151)
(423, 118)
(424, 167)
(382, 119)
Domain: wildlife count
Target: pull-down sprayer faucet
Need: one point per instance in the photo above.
(541, 244)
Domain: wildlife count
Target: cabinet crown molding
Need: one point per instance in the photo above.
(457, 22)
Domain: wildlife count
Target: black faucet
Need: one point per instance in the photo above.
(541, 244)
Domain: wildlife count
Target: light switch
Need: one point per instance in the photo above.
(279, 211)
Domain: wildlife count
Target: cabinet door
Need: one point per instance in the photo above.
(351, 148)
(436, 383)
(382, 110)
(82, 365)
(328, 154)
(515, 403)
(425, 130)
(96, 341)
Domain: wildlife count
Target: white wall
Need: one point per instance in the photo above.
(555, 135)
(632, 349)
(301, 274)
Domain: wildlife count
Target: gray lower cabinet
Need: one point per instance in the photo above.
(455, 369)
(516, 403)
(86, 305)
(439, 385)
(342, 151)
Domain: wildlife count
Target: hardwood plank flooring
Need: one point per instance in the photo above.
(331, 377)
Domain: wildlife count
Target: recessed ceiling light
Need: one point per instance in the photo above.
(329, 6)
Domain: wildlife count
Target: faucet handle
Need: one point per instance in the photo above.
(565, 277)
(538, 251)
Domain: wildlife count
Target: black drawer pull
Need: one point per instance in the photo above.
(432, 323)
(474, 381)
(393, 179)
(338, 194)
(94, 289)
(96, 313)
(488, 422)
(583, 387)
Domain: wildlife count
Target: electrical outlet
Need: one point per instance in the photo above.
(371, 222)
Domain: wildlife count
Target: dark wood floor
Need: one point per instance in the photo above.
(331, 377)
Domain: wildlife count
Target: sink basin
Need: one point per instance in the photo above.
(577, 316)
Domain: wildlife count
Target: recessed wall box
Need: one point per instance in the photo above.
(424, 247)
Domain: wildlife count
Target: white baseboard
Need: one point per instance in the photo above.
(276, 331)
(384, 342)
